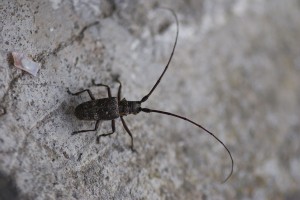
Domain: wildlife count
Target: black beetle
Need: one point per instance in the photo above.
(112, 108)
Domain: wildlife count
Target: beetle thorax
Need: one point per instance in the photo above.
(129, 107)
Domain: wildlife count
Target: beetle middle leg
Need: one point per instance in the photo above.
(82, 131)
(78, 93)
(129, 132)
(123, 121)
(113, 127)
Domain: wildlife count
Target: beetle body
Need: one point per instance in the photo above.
(99, 109)
(106, 109)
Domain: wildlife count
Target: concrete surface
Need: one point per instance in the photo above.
(235, 70)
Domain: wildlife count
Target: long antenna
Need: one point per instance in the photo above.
(147, 110)
(157, 82)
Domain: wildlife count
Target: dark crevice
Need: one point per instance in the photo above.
(41, 57)
(8, 188)
(10, 86)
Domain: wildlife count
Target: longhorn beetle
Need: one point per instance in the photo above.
(112, 108)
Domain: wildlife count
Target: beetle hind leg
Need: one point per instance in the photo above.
(113, 127)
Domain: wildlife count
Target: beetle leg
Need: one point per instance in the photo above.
(100, 84)
(128, 131)
(119, 91)
(113, 127)
(78, 93)
(82, 131)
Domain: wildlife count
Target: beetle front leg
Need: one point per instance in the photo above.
(129, 132)
(78, 93)
(119, 91)
(113, 127)
(100, 84)
(82, 131)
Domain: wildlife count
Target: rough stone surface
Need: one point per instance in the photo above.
(236, 71)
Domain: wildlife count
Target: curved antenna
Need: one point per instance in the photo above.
(147, 110)
(157, 82)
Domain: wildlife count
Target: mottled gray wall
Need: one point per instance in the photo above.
(235, 71)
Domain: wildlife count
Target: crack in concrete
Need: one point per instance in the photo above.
(12, 82)
(41, 57)
(22, 148)
(44, 117)
(27, 134)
